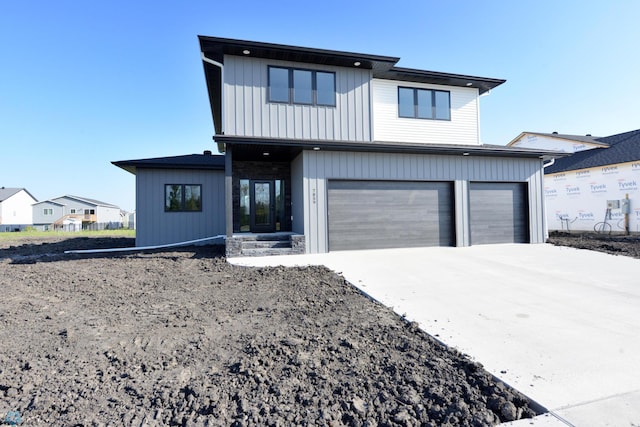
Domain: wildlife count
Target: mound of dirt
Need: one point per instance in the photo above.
(611, 244)
(180, 337)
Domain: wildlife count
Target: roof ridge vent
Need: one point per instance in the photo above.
(207, 152)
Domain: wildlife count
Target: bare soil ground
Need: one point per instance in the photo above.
(611, 244)
(179, 337)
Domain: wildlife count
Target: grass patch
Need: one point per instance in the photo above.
(30, 234)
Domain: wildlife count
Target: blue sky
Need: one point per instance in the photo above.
(84, 83)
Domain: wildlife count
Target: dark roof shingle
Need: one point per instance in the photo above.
(623, 147)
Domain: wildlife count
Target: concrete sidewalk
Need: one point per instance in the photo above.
(560, 325)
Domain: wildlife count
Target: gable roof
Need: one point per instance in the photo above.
(189, 161)
(86, 200)
(620, 148)
(51, 202)
(575, 138)
(382, 67)
(5, 193)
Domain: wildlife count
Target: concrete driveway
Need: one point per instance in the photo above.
(561, 325)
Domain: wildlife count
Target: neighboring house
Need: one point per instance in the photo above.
(15, 209)
(340, 151)
(588, 187)
(73, 213)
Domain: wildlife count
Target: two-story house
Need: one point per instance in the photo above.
(75, 213)
(340, 151)
(15, 209)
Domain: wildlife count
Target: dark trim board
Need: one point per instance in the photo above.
(389, 214)
(498, 212)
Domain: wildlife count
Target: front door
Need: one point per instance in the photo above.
(263, 206)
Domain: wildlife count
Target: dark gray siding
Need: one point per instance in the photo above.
(498, 213)
(319, 167)
(157, 227)
(389, 214)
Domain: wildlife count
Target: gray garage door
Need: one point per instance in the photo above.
(389, 214)
(499, 213)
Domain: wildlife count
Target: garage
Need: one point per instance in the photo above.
(389, 214)
(498, 212)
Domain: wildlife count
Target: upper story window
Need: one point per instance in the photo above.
(424, 103)
(298, 86)
(182, 197)
(48, 211)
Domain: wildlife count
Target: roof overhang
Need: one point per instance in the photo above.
(259, 146)
(383, 67)
(190, 161)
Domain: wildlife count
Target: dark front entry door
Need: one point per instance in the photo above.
(263, 206)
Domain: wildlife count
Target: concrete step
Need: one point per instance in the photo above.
(265, 244)
(266, 251)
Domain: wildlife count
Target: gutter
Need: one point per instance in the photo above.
(219, 65)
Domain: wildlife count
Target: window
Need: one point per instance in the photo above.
(73, 211)
(297, 86)
(182, 197)
(424, 103)
(48, 211)
(89, 212)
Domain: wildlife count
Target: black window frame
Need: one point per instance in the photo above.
(183, 198)
(433, 108)
(314, 86)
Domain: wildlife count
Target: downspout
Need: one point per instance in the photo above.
(228, 153)
(551, 162)
(219, 65)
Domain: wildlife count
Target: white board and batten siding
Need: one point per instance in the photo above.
(248, 112)
(157, 227)
(319, 167)
(463, 128)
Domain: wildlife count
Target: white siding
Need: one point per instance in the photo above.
(17, 210)
(463, 128)
(248, 113)
(320, 166)
(156, 227)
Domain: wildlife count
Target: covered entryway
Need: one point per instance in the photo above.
(498, 212)
(389, 214)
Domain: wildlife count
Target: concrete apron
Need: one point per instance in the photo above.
(560, 325)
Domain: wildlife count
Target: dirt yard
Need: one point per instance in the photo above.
(611, 244)
(179, 337)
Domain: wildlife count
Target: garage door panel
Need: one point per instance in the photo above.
(389, 214)
(498, 213)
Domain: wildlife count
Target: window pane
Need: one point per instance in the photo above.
(302, 89)
(443, 110)
(325, 88)
(405, 103)
(192, 199)
(262, 203)
(278, 84)
(425, 110)
(245, 205)
(172, 197)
